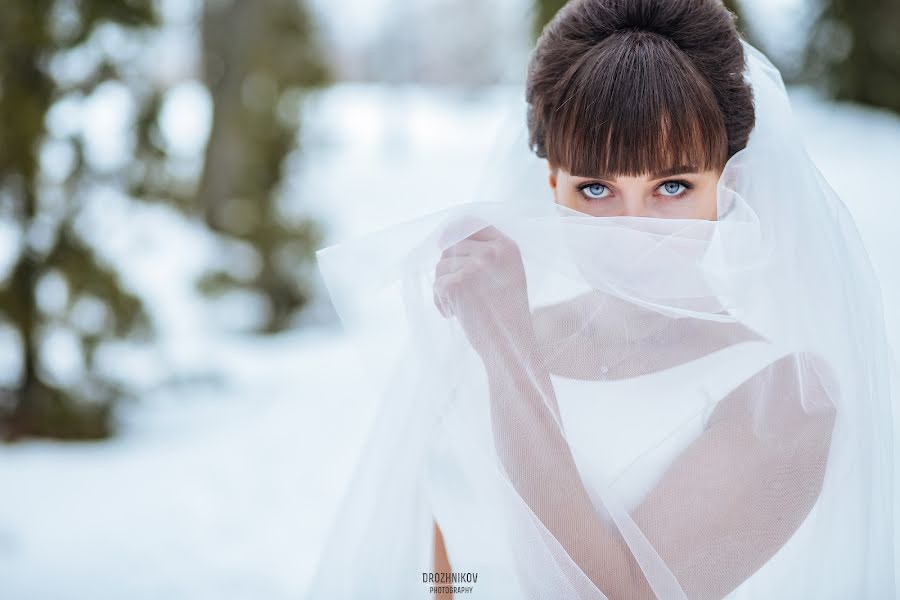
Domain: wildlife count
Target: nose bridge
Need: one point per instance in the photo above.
(634, 202)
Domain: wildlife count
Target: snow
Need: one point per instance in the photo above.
(218, 486)
(206, 495)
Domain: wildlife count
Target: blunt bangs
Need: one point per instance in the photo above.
(631, 107)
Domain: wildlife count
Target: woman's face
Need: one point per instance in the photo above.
(682, 194)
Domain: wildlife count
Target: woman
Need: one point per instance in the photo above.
(667, 378)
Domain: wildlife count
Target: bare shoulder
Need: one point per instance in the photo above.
(798, 390)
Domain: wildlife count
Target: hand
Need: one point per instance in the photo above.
(481, 281)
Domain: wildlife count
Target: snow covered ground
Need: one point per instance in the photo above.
(218, 487)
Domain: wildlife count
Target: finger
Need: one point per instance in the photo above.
(459, 229)
(488, 233)
(438, 302)
(446, 286)
(465, 247)
(450, 264)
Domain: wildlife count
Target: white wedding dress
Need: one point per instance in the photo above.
(606, 439)
(796, 502)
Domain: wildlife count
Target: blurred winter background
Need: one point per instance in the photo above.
(169, 360)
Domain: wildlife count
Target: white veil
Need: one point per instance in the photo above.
(669, 408)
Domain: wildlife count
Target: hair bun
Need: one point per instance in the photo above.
(650, 17)
(687, 23)
(697, 38)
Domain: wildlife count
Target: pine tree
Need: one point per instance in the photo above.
(854, 49)
(43, 213)
(259, 59)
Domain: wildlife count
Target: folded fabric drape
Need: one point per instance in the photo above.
(626, 407)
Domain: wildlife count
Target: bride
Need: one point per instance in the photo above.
(665, 377)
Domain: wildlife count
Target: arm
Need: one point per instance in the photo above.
(441, 562)
(712, 531)
(521, 422)
(727, 511)
(753, 494)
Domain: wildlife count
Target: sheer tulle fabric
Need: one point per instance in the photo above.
(625, 407)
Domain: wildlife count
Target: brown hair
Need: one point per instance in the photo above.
(628, 87)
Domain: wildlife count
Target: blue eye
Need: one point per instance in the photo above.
(671, 188)
(592, 190)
